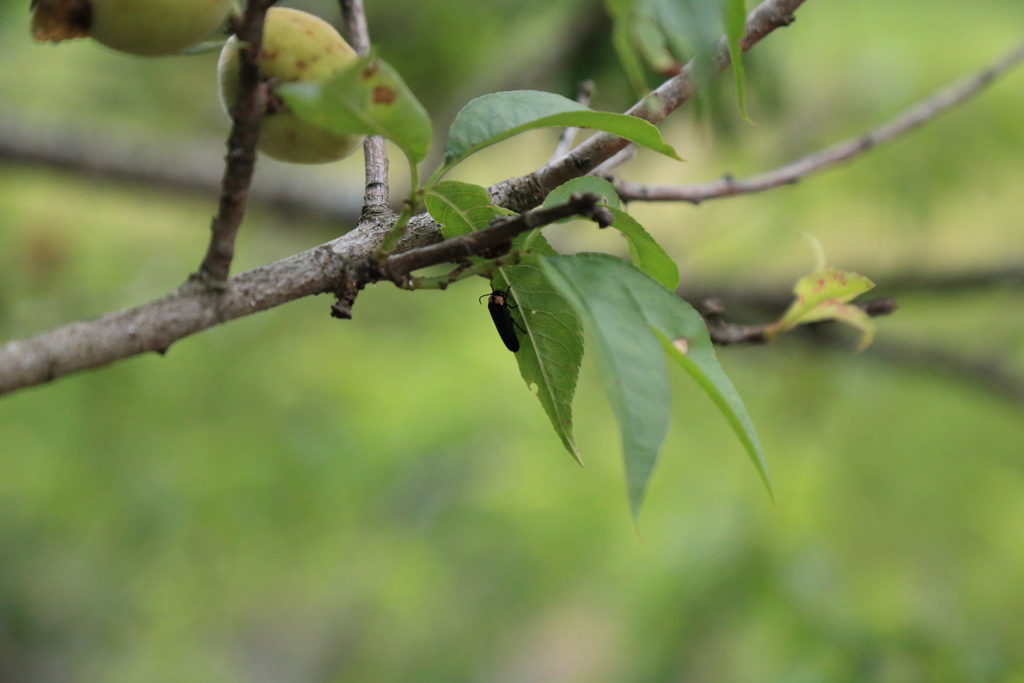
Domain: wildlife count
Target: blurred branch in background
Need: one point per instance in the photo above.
(192, 168)
(565, 140)
(839, 153)
(724, 333)
(993, 373)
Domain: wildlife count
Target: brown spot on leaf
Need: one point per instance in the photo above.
(382, 94)
(369, 72)
(682, 344)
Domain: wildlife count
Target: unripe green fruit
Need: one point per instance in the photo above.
(139, 27)
(297, 46)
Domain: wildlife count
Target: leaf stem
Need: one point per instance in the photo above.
(484, 268)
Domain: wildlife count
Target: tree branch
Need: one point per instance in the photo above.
(839, 153)
(528, 191)
(340, 267)
(155, 326)
(724, 333)
(500, 232)
(246, 116)
(375, 152)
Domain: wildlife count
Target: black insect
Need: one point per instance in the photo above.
(499, 308)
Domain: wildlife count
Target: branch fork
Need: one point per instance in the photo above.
(343, 266)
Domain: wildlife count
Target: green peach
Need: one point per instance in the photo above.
(297, 46)
(139, 27)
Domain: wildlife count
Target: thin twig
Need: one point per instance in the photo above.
(724, 333)
(375, 153)
(528, 191)
(607, 167)
(246, 116)
(839, 153)
(565, 140)
(499, 233)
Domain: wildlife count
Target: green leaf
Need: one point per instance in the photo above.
(652, 44)
(692, 29)
(679, 322)
(587, 184)
(595, 283)
(622, 15)
(645, 252)
(492, 118)
(734, 16)
(825, 295)
(370, 99)
(632, 364)
(551, 349)
(460, 208)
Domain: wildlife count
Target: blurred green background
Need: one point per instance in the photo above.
(293, 498)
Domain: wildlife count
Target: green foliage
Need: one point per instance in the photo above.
(632, 314)
(370, 99)
(635, 321)
(644, 250)
(587, 184)
(460, 208)
(734, 15)
(665, 33)
(826, 294)
(492, 118)
(551, 348)
(624, 41)
(632, 363)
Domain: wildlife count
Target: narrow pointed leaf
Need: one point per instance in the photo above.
(675, 320)
(644, 251)
(651, 42)
(369, 99)
(632, 363)
(622, 13)
(680, 332)
(551, 349)
(734, 16)
(492, 118)
(692, 29)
